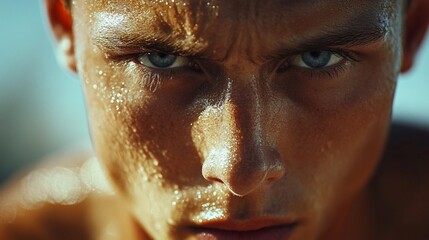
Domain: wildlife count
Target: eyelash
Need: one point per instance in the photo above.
(323, 73)
(150, 78)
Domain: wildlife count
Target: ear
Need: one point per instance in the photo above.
(60, 20)
(416, 25)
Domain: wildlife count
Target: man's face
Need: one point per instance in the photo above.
(238, 115)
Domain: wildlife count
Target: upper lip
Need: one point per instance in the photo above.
(244, 225)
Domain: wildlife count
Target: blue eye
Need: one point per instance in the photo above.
(317, 59)
(162, 60)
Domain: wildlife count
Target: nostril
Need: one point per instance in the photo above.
(212, 179)
(245, 172)
(210, 173)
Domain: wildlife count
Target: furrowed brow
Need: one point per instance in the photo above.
(115, 34)
(358, 32)
(346, 36)
(121, 42)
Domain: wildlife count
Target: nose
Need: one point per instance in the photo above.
(243, 171)
(238, 155)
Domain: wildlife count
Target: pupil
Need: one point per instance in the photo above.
(161, 60)
(316, 59)
(315, 54)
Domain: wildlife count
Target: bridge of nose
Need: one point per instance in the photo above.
(235, 152)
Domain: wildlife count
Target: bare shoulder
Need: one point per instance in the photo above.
(52, 200)
(401, 184)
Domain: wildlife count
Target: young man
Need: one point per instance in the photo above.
(219, 119)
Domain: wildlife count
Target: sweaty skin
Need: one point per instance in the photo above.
(239, 133)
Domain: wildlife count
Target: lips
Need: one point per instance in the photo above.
(255, 229)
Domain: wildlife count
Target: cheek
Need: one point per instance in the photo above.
(332, 141)
(141, 136)
(331, 153)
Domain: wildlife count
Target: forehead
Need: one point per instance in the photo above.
(252, 11)
(220, 22)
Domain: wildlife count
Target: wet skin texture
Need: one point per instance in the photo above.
(242, 133)
(239, 133)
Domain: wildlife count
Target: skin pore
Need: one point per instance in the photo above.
(221, 117)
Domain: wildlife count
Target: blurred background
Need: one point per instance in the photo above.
(42, 107)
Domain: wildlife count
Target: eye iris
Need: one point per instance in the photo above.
(161, 60)
(316, 59)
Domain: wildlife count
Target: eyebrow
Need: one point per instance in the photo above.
(358, 31)
(116, 35)
(127, 43)
(344, 36)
